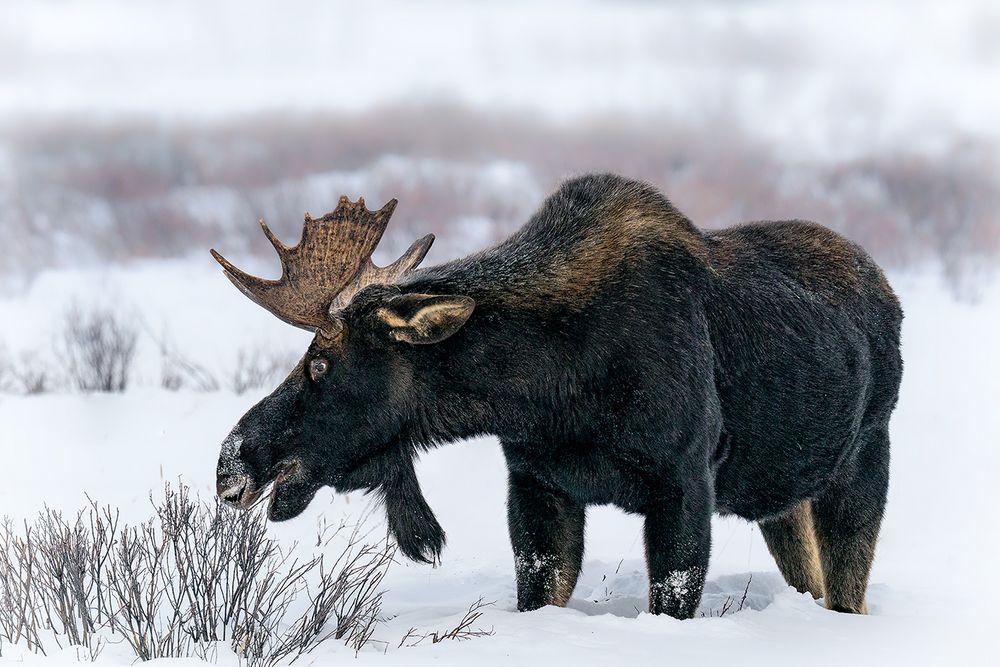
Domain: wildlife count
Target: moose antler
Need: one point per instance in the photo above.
(328, 267)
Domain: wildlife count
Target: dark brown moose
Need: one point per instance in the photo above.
(621, 355)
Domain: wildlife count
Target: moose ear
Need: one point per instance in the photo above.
(421, 319)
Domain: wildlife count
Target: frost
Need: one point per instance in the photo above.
(532, 565)
(229, 457)
(678, 584)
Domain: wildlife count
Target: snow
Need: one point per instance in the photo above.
(823, 81)
(677, 583)
(832, 78)
(932, 591)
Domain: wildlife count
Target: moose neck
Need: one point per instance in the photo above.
(492, 376)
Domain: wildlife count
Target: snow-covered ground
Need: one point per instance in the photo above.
(932, 594)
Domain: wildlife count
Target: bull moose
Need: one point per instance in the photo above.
(621, 355)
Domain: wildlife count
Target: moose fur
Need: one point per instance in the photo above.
(621, 355)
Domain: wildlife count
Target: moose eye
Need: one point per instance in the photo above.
(318, 368)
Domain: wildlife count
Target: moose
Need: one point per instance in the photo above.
(620, 355)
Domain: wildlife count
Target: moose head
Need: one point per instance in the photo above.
(341, 418)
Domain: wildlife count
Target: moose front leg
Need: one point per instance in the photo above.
(546, 531)
(678, 540)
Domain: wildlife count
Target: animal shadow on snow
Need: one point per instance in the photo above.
(621, 590)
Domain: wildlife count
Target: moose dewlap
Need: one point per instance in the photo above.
(621, 355)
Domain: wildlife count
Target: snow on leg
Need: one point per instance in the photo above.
(678, 540)
(546, 531)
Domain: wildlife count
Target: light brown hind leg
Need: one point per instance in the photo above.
(791, 539)
(848, 516)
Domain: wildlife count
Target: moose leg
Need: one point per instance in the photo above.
(791, 539)
(678, 540)
(546, 531)
(848, 517)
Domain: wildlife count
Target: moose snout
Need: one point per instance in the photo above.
(233, 482)
(231, 487)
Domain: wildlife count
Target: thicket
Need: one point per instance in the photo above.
(193, 575)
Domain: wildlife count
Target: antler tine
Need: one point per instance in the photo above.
(254, 288)
(240, 278)
(330, 264)
(280, 247)
(371, 274)
(412, 257)
(386, 211)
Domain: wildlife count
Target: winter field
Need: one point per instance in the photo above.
(134, 136)
(932, 590)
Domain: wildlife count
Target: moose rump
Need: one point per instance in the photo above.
(621, 355)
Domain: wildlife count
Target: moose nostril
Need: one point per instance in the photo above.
(231, 488)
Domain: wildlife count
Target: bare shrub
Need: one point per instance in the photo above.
(258, 369)
(463, 630)
(29, 374)
(6, 370)
(34, 379)
(192, 575)
(727, 604)
(99, 348)
(178, 371)
(903, 207)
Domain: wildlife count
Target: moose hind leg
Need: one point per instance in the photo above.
(848, 517)
(546, 532)
(791, 539)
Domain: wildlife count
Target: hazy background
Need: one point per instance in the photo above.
(135, 135)
(136, 130)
